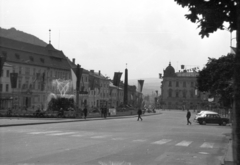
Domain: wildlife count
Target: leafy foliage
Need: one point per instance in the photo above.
(217, 78)
(211, 14)
(60, 102)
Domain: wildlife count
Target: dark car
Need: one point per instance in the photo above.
(212, 119)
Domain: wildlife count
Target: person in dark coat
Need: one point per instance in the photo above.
(188, 117)
(139, 114)
(85, 111)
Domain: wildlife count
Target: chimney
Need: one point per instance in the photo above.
(92, 71)
(73, 60)
(99, 73)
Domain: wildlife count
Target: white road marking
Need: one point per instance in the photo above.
(119, 138)
(78, 135)
(207, 145)
(163, 141)
(35, 133)
(98, 137)
(139, 140)
(64, 133)
(184, 143)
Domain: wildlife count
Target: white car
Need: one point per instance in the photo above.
(203, 113)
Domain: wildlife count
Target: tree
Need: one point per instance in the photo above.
(217, 78)
(210, 16)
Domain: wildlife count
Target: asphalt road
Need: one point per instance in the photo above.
(162, 139)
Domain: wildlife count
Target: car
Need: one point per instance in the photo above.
(212, 118)
(202, 113)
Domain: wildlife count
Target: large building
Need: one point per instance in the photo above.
(40, 73)
(6, 93)
(36, 66)
(179, 90)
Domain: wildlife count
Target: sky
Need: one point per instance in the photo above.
(112, 35)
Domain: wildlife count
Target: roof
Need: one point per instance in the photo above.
(169, 71)
(187, 74)
(21, 52)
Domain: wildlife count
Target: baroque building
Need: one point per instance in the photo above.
(36, 66)
(179, 90)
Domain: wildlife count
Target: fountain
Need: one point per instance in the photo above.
(61, 95)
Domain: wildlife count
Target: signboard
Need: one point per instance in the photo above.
(112, 111)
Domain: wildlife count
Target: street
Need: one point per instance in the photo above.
(162, 139)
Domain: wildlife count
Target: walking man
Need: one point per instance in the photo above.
(85, 111)
(139, 114)
(188, 117)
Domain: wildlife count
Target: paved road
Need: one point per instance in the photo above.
(161, 139)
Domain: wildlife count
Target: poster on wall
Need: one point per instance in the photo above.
(112, 111)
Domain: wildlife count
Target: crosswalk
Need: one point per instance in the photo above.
(102, 135)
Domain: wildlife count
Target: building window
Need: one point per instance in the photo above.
(1, 89)
(31, 58)
(42, 60)
(7, 73)
(170, 83)
(27, 71)
(184, 84)
(192, 84)
(7, 87)
(4, 54)
(20, 70)
(170, 93)
(192, 94)
(19, 83)
(17, 56)
(177, 93)
(177, 84)
(184, 94)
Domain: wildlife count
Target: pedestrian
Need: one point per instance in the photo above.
(188, 117)
(139, 114)
(105, 112)
(85, 111)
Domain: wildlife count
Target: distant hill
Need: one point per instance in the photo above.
(150, 85)
(14, 34)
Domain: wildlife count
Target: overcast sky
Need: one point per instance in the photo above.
(106, 34)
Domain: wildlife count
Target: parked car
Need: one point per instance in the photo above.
(202, 113)
(212, 118)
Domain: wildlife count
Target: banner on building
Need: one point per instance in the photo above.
(13, 79)
(117, 78)
(140, 85)
(2, 61)
(76, 77)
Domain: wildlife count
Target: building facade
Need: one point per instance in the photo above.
(6, 92)
(115, 95)
(37, 67)
(179, 90)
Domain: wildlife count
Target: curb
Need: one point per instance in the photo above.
(77, 120)
(228, 156)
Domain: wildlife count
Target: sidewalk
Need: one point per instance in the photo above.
(21, 121)
(228, 157)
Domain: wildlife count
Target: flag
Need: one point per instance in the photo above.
(140, 85)
(77, 77)
(2, 61)
(13, 79)
(74, 79)
(116, 78)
